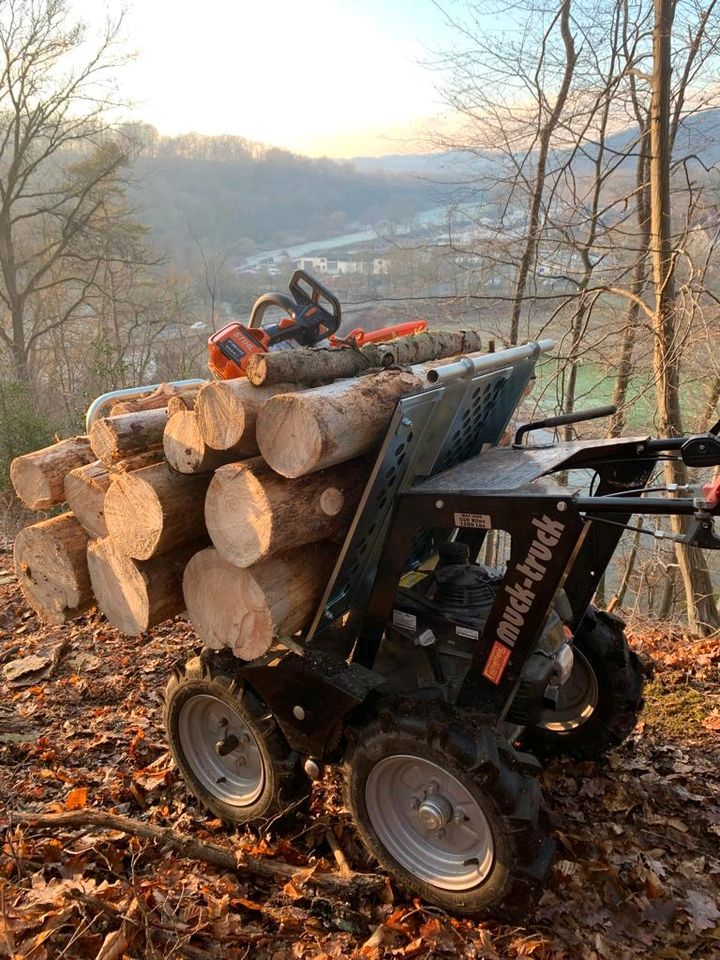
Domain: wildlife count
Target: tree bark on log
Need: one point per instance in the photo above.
(301, 433)
(136, 595)
(157, 400)
(137, 461)
(312, 367)
(252, 514)
(85, 489)
(39, 477)
(51, 567)
(115, 438)
(245, 610)
(187, 452)
(227, 412)
(153, 510)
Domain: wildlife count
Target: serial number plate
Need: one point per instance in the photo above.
(479, 521)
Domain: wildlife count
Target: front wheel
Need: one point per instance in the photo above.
(443, 809)
(598, 706)
(228, 747)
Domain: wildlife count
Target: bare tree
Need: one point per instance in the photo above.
(58, 163)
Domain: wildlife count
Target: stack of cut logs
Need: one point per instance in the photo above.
(230, 501)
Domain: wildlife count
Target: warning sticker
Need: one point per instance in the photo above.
(411, 578)
(496, 662)
(477, 520)
(467, 632)
(406, 620)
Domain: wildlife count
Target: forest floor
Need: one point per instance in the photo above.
(637, 872)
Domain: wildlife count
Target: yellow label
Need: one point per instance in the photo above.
(410, 579)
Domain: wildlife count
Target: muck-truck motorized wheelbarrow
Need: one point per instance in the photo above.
(437, 683)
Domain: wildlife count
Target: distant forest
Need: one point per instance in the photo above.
(239, 196)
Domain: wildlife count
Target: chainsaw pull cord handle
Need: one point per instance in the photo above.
(267, 300)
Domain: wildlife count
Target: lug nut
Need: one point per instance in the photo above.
(459, 816)
(433, 787)
(439, 834)
(414, 803)
(241, 761)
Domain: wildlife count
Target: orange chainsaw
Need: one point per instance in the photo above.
(312, 314)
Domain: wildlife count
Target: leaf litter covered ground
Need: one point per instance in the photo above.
(637, 873)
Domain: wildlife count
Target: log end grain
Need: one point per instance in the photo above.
(51, 568)
(226, 606)
(119, 588)
(290, 441)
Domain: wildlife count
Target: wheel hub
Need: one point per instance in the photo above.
(435, 812)
(430, 822)
(221, 750)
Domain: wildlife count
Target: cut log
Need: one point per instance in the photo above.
(300, 433)
(39, 478)
(187, 452)
(252, 514)
(51, 567)
(227, 412)
(245, 610)
(137, 461)
(114, 438)
(179, 403)
(312, 367)
(153, 510)
(157, 400)
(85, 489)
(137, 594)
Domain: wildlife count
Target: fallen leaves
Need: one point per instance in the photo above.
(637, 875)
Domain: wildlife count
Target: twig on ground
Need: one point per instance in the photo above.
(353, 885)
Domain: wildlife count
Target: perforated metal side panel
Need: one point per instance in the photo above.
(429, 433)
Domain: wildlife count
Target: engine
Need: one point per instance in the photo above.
(438, 619)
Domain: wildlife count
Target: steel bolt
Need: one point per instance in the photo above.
(298, 713)
(406, 422)
(433, 787)
(439, 834)
(439, 504)
(562, 506)
(459, 815)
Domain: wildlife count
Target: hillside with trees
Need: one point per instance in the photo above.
(239, 196)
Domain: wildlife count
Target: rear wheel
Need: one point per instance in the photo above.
(598, 706)
(228, 747)
(444, 809)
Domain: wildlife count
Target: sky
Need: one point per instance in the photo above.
(322, 77)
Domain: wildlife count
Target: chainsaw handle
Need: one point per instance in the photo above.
(317, 295)
(267, 300)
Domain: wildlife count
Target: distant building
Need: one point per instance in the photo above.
(336, 267)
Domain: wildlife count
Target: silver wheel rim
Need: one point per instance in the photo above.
(429, 822)
(577, 698)
(238, 777)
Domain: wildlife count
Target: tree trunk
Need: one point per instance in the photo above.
(51, 568)
(187, 452)
(702, 612)
(153, 510)
(533, 235)
(136, 595)
(313, 367)
(632, 317)
(300, 433)
(39, 477)
(115, 438)
(245, 610)
(252, 514)
(85, 489)
(227, 412)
